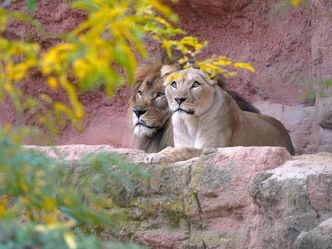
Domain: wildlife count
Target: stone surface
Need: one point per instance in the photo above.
(304, 123)
(73, 152)
(293, 198)
(229, 198)
(298, 120)
(319, 238)
(322, 135)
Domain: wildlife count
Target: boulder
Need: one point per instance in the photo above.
(292, 199)
(238, 197)
(310, 127)
(319, 238)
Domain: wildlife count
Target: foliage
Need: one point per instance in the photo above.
(53, 196)
(14, 236)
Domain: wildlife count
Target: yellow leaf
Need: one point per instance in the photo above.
(52, 83)
(295, 3)
(17, 139)
(171, 78)
(3, 205)
(73, 98)
(9, 87)
(168, 47)
(80, 68)
(49, 204)
(244, 65)
(50, 218)
(7, 128)
(24, 186)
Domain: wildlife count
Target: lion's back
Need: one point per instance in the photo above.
(262, 130)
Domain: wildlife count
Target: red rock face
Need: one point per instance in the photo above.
(289, 48)
(220, 7)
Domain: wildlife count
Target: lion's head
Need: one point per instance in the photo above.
(189, 91)
(148, 109)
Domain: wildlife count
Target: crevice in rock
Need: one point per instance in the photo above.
(310, 204)
(194, 181)
(204, 245)
(183, 201)
(200, 211)
(200, 214)
(190, 172)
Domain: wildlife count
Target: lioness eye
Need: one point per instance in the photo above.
(173, 84)
(139, 92)
(195, 84)
(160, 94)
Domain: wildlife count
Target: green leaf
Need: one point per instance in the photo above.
(327, 83)
(31, 5)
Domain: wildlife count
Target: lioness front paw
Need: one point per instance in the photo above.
(155, 158)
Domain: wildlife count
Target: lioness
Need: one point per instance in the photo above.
(148, 111)
(205, 116)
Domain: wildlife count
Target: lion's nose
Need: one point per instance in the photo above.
(139, 111)
(180, 100)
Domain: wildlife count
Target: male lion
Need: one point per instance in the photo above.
(148, 112)
(205, 116)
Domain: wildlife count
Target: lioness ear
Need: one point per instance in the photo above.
(209, 78)
(213, 79)
(167, 69)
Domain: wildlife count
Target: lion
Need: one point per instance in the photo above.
(148, 112)
(206, 116)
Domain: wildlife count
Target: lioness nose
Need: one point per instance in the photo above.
(138, 111)
(180, 100)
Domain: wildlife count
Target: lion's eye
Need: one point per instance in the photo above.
(139, 92)
(160, 94)
(173, 84)
(195, 84)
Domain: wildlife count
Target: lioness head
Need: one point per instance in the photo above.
(189, 91)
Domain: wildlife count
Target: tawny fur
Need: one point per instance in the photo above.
(210, 118)
(149, 81)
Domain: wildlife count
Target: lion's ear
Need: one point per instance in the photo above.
(213, 79)
(167, 69)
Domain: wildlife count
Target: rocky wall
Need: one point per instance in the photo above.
(230, 198)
